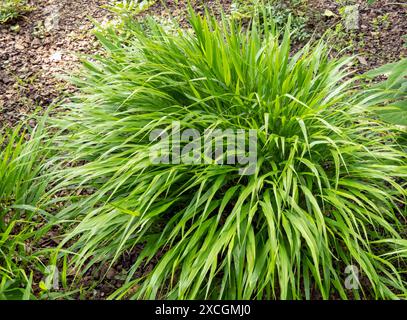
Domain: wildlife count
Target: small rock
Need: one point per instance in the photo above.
(6, 80)
(52, 21)
(36, 43)
(56, 56)
(19, 46)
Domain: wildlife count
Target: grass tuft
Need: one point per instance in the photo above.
(328, 191)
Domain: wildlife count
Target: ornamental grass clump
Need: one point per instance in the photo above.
(327, 192)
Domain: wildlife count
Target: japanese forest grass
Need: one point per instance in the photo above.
(328, 190)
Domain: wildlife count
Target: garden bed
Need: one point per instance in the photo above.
(39, 46)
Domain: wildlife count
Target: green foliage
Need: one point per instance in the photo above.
(279, 11)
(130, 7)
(22, 162)
(123, 11)
(381, 22)
(322, 197)
(12, 9)
(339, 39)
(390, 95)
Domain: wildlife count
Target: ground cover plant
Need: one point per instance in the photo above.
(21, 166)
(278, 11)
(328, 190)
(12, 9)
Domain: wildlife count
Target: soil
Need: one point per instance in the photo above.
(381, 34)
(39, 47)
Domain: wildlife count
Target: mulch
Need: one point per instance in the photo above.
(379, 40)
(37, 48)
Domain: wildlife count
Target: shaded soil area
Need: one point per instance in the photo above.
(178, 9)
(37, 48)
(381, 31)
